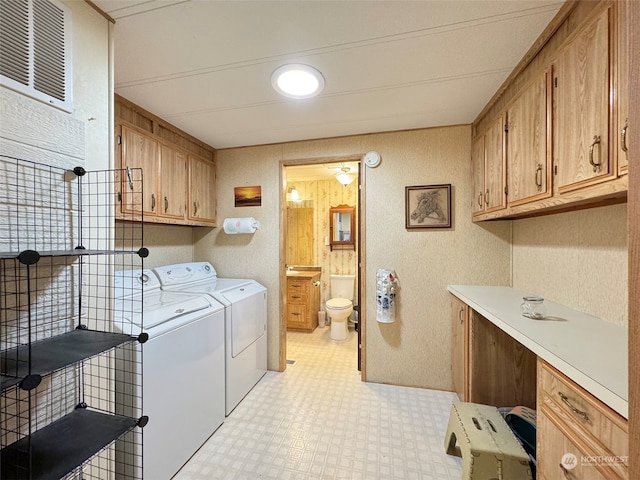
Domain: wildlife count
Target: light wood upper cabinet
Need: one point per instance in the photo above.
(488, 165)
(623, 135)
(202, 190)
(172, 179)
(528, 144)
(139, 151)
(477, 165)
(581, 109)
(177, 170)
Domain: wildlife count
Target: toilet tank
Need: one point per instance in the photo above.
(342, 286)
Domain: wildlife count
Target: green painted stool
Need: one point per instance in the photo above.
(488, 447)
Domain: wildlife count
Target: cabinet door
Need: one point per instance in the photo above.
(477, 166)
(202, 190)
(558, 456)
(140, 151)
(494, 178)
(528, 155)
(173, 183)
(623, 86)
(459, 351)
(581, 109)
(502, 372)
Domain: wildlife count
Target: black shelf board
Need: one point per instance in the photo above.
(62, 446)
(76, 252)
(55, 353)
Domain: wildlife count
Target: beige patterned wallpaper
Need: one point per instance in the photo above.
(577, 258)
(321, 196)
(415, 350)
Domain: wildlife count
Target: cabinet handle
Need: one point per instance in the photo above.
(166, 204)
(295, 313)
(575, 410)
(195, 208)
(486, 197)
(153, 202)
(130, 177)
(539, 176)
(623, 136)
(596, 141)
(480, 199)
(461, 315)
(296, 296)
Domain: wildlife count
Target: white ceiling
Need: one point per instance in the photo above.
(205, 65)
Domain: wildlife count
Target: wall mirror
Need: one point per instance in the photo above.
(342, 232)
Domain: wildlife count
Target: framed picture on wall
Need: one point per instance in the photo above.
(247, 196)
(428, 206)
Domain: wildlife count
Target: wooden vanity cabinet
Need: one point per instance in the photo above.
(571, 420)
(303, 301)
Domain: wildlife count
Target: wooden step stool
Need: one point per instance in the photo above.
(488, 447)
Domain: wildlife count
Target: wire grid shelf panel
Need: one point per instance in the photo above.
(62, 295)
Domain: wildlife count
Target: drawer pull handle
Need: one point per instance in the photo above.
(295, 313)
(575, 410)
(296, 296)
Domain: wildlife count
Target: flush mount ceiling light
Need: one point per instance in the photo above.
(296, 80)
(344, 177)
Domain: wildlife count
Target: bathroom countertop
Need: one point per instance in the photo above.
(304, 273)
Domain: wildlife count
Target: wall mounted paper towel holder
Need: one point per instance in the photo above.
(234, 226)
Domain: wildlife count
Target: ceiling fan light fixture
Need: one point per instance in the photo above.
(344, 177)
(297, 80)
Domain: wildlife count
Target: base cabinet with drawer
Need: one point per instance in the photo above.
(578, 437)
(303, 301)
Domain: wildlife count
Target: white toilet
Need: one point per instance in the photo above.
(341, 305)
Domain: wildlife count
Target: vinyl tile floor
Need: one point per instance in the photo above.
(318, 420)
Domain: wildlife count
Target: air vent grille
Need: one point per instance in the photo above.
(34, 50)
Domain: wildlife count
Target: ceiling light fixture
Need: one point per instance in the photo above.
(294, 195)
(296, 80)
(344, 177)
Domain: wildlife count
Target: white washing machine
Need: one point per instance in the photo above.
(245, 307)
(182, 370)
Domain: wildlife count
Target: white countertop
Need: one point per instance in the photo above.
(588, 350)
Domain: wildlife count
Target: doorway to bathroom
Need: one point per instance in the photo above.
(315, 243)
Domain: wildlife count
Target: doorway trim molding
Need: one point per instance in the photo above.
(282, 360)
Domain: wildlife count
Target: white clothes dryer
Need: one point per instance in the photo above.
(182, 371)
(245, 307)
